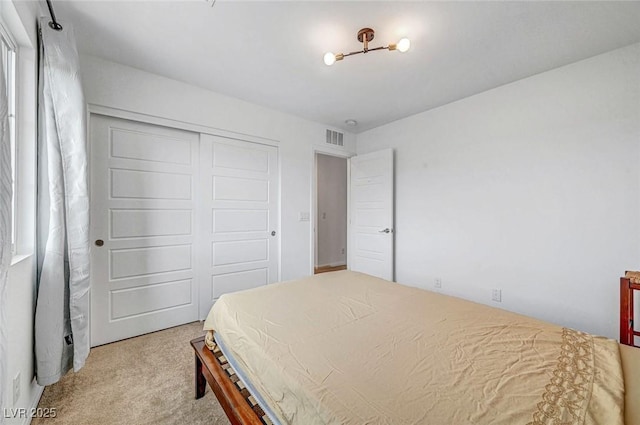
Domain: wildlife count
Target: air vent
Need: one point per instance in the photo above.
(335, 138)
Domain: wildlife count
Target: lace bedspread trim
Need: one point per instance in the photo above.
(567, 394)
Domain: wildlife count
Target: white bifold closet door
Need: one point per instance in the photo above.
(177, 219)
(239, 217)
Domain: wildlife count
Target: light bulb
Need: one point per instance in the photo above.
(329, 58)
(402, 46)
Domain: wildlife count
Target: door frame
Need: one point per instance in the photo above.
(94, 108)
(97, 109)
(313, 219)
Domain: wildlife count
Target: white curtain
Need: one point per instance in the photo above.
(5, 232)
(62, 309)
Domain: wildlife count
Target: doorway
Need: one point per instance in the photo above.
(330, 213)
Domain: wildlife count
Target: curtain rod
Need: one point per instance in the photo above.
(53, 24)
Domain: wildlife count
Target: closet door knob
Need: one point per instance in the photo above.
(99, 242)
(273, 233)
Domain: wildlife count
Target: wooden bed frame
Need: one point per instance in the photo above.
(239, 411)
(627, 331)
(208, 369)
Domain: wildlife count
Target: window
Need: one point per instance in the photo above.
(9, 71)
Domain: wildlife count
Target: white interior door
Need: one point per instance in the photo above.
(372, 214)
(239, 217)
(143, 191)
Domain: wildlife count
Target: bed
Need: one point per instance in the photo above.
(348, 348)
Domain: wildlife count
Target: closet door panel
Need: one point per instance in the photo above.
(143, 208)
(240, 237)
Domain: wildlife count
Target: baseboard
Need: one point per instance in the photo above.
(325, 269)
(33, 405)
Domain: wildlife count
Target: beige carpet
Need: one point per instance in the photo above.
(143, 380)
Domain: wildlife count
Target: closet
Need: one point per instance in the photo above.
(178, 218)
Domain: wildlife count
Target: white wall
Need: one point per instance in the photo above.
(532, 187)
(332, 210)
(20, 17)
(118, 86)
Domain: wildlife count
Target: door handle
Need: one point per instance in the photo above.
(387, 230)
(273, 233)
(99, 242)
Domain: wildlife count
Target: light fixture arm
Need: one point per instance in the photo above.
(344, 55)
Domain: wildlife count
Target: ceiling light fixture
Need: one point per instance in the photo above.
(351, 122)
(365, 35)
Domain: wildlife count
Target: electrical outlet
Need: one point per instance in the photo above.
(496, 295)
(437, 283)
(16, 388)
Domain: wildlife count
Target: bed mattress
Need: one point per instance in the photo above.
(349, 348)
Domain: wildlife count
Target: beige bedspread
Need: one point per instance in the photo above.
(347, 348)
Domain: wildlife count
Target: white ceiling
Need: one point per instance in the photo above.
(270, 52)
